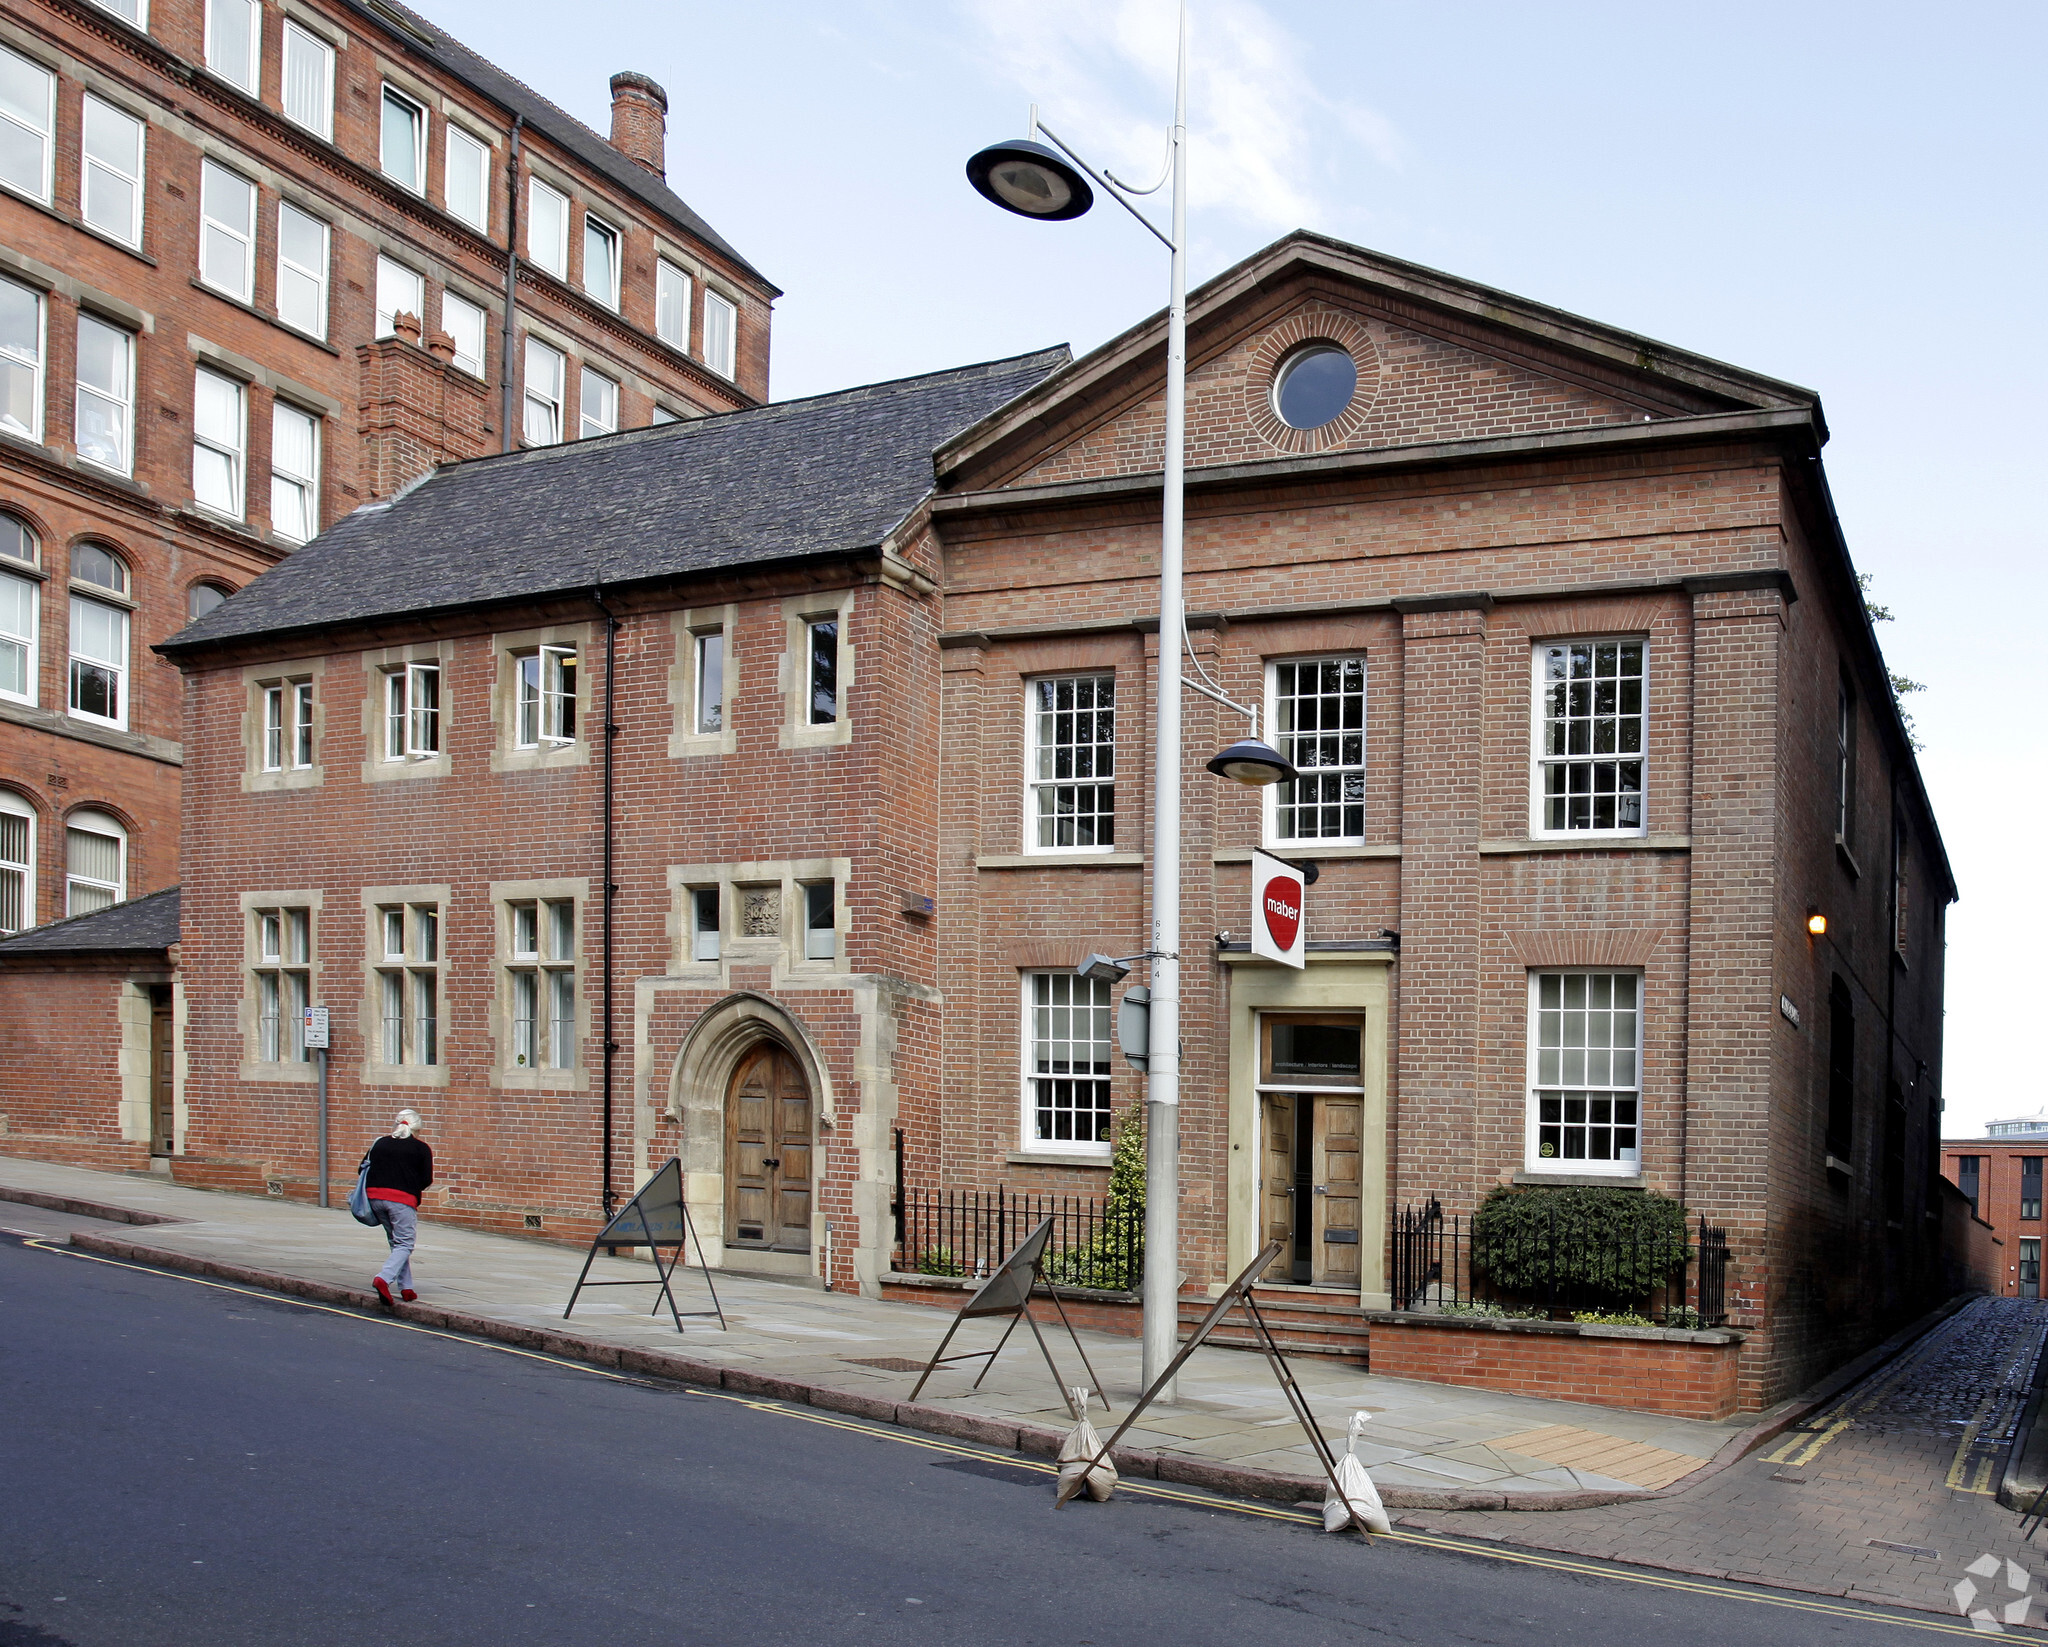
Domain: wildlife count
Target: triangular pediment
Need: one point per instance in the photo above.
(1436, 360)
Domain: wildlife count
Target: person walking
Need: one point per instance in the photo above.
(401, 1168)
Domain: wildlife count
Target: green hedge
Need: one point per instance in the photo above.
(1607, 1245)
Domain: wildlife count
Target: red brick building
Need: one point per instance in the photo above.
(2001, 1175)
(1627, 877)
(254, 271)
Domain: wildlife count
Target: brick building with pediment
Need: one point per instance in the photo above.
(1626, 876)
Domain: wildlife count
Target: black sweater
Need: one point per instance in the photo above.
(400, 1167)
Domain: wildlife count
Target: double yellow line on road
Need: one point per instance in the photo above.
(1819, 1606)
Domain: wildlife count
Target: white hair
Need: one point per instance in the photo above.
(407, 1120)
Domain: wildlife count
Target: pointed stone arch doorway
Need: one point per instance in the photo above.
(769, 1191)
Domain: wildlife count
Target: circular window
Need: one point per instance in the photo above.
(1314, 386)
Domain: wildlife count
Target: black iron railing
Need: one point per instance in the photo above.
(968, 1233)
(1557, 1266)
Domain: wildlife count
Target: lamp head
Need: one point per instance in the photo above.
(1030, 179)
(1102, 969)
(1253, 763)
(1817, 924)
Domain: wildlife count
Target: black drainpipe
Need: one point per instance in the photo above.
(508, 441)
(611, 887)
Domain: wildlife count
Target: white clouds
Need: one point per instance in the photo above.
(1265, 143)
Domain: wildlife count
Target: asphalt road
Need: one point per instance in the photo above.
(183, 1463)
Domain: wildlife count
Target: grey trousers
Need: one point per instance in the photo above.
(400, 1224)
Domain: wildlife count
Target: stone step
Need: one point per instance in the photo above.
(1292, 1346)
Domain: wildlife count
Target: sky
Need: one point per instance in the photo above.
(1848, 196)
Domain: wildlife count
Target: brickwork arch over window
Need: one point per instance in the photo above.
(1285, 341)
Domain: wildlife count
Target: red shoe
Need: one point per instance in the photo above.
(383, 1289)
(408, 1294)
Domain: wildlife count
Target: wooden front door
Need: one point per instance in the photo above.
(1277, 1189)
(163, 1115)
(1311, 1185)
(768, 1154)
(1338, 1183)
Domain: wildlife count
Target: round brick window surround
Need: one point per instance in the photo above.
(1298, 338)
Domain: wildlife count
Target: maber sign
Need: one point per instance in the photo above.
(1279, 914)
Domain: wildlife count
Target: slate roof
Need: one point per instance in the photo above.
(145, 923)
(795, 480)
(557, 125)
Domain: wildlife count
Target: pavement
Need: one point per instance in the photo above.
(1230, 1429)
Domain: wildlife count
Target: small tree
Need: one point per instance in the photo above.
(1113, 1260)
(1903, 686)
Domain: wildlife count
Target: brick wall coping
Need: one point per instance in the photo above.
(1552, 1329)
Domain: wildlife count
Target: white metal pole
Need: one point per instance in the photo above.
(1162, 1118)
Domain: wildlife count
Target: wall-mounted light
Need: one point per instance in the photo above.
(1816, 924)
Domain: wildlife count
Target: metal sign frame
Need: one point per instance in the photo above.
(1009, 1292)
(619, 1233)
(1238, 1292)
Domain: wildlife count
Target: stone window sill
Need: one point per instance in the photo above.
(1057, 860)
(1048, 1158)
(1585, 1180)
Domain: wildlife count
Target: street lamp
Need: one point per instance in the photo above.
(1048, 180)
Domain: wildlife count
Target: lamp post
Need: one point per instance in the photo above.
(1053, 184)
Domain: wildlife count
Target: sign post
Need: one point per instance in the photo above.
(1279, 911)
(655, 1218)
(316, 1042)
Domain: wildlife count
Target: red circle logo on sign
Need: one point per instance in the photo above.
(1281, 907)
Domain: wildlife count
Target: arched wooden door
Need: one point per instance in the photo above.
(768, 1154)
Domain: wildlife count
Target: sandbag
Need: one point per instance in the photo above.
(1082, 1444)
(1359, 1501)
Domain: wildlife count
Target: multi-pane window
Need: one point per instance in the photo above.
(294, 473)
(412, 712)
(1589, 737)
(721, 329)
(17, 863)
(463, 321)
(302, 241)
(547, 228)
(1585, 1041)
(110, 172)
(544, 368)
(234, 41)
(2030, 1187)
(1068, 1048)
(402, 148)
(1969, 1176)
(546, 709)
(21, 357)
(1901, 853)
(409, 982)
(104, 421)
(308, 80)
(1073, 763)
(704, 925)
(543, 979)
(288, 726)
(671, 304)
(1318, 718)
(2028, 1269)
(227, 231)
(601, 261)
(283, 977)
(219, 443)
(823, 637)
(600, 412)
(28, 124)
(20, 603)
(821, 922)
(711, 680)
(99, 659)
(399, 292)
(1845, 764)
(95, 863)
(467, 184)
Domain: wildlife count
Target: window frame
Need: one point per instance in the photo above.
(1034, 784)
(35, 367)
(813, 658)
(308, 484)
(707, 942)
(119, 669)
(242, 234)
(1287, 743)
(586, 427)
(596, 228)
(1621, 1164)
(664, 269)
(29, 641)
(1029, 1141)
(554, 409)
(413, 974)
(721, 337)
(22, 869)
(295, 30)
(2030, 1205)
(114, 830)
(405, 713)
(237, 455)
(477, 365)
(280, 967)
(289, 734)
(286, 263)
(1540, 761)
(699, 672)
(105, 396)
(821, 939)
(136, 181)
(549, 705)
(386, 323)
(558, 249)
(45, 194)
(1845, 764)
(392, 97)
(456, 132)
(253, 64)
(545, 978)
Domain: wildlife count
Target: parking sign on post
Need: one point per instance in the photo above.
(316, 1026)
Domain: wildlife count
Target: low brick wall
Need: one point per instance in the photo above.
(1646, 1369)
(1117, 1313)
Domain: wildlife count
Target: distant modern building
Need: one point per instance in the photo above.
(2001, 1175)
(2020, 1126)
(257, 267)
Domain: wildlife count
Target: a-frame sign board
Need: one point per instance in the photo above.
(656, 1218)
(1008, 1292)
(1239, 1292)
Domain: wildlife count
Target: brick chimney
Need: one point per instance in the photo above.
(640, 121)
